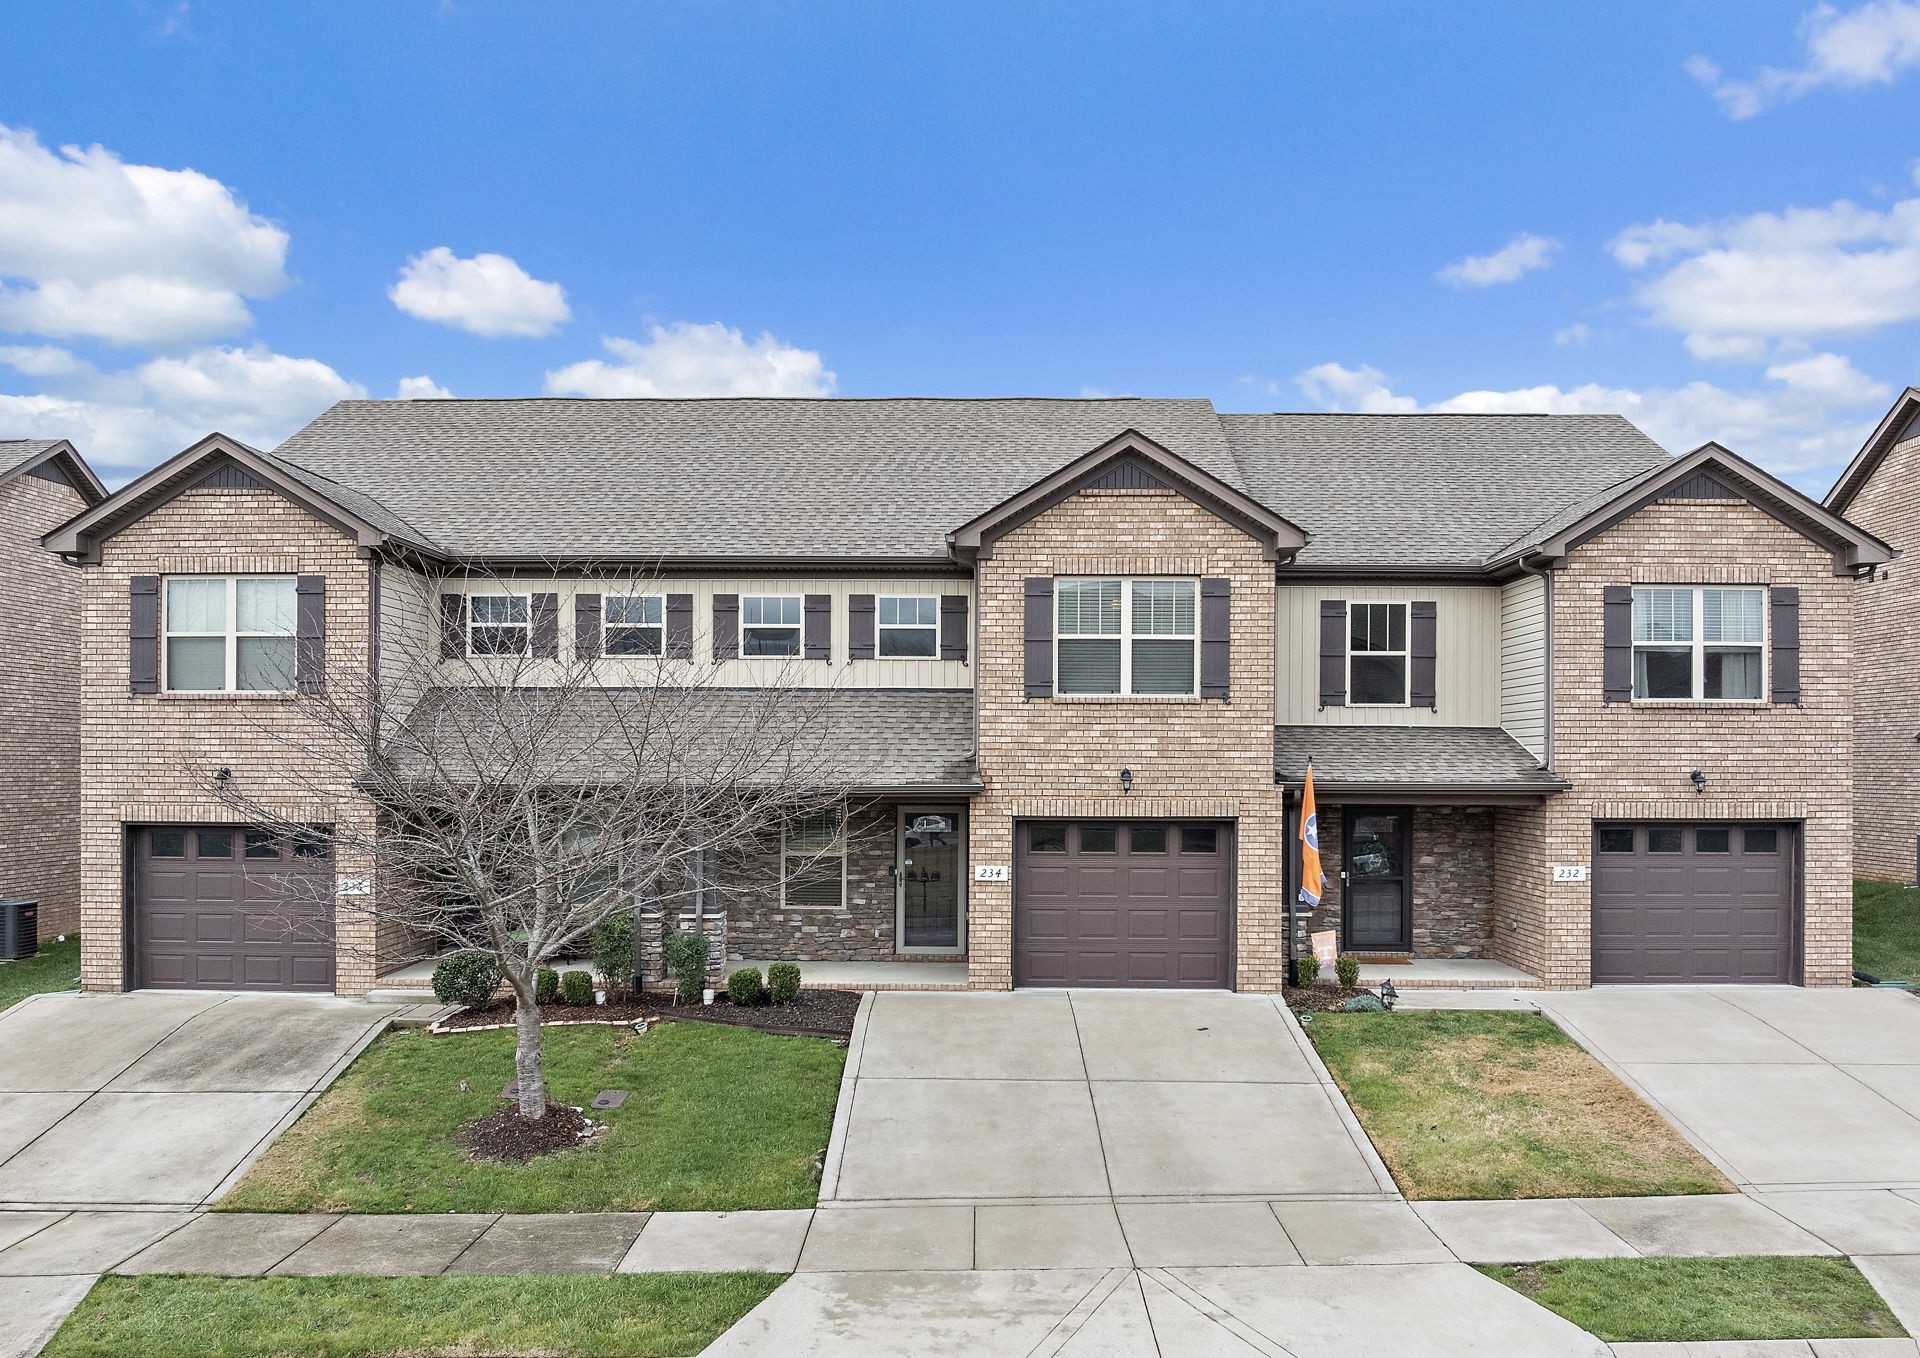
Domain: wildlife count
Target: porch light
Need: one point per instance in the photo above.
(1126, 781)
(220, 778)
(1699, 780)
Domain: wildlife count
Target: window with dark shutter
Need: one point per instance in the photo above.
(1785, 606)
(586, 626)
(1333, 653)
(679, 627)
(1039, 636)
(1616, 670)
(546, 627)
(860, 627)
(953, 627)
(453, 626)
(310, 634)
(726, 627)
(818, 612)
(143, 634)
(1216, 638)
(1423, 648)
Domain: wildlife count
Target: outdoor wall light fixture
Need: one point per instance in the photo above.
(220, 778)
(1699, 780)
(1126, 780)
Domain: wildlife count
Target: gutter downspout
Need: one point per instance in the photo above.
(1546, 583)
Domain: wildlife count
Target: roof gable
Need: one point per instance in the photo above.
(1129, 461)
(50, 460)
(1902, 422)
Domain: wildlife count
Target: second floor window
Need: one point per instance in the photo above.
(1126, 636)
(233, 633)
(1377, 655)
(1699, 643)
(908, 627)
(770, 624)
(499, 624)
(634, 624)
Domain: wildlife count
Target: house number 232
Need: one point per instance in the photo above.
(1569, 872)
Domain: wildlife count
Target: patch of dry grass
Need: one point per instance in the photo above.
(1494, 1105)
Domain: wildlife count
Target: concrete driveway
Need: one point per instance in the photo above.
(1130, 1096)
(158, 1099)
(1782, 1088)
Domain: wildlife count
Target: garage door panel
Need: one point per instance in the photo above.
(1719, 915)
(227, 922)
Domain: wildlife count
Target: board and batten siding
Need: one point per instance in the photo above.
(1466, 660)
(1523, 662)
(837, 672)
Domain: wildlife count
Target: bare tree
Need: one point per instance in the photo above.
(520, 792)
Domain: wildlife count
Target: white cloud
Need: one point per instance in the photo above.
(685, 359)
(1575, 335)
(1518, 257)
(488, 295)
(421, 388)
(1870, 45)
(1805, 427)
(133, 254)
(41, 360)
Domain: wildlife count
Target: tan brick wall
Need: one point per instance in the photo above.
(40, 705)
(145, 758)
(1631, 761)
(1886, 695)
(1061, 757)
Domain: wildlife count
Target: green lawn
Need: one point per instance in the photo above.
(1467, 1104)
(566, 1316)
(57, 967)
(1702, 1300)
(721, 1118)
(1886, 931)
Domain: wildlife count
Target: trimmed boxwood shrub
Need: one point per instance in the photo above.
(745, 986)
(613, 944)
(466, 978)
(576, 987)
(687, 954)
(1306, 970)
(546, 986)
(1347, 968)
(783, 982)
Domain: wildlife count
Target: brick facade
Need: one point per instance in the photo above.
(144, 758)
(1191, 758)
(40, 710)
(1886, 672)
(1631, 761)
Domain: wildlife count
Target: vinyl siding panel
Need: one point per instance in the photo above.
(1467, 660)
(1523, 662)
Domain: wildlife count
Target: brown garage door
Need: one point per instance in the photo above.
(1106, 903)
(222, 908)
(1701, 903)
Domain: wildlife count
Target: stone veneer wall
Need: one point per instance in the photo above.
(1631, 761)
(1886, 674)
(40, 719)
(760, 929)
(1191, 758)
(142, 756)
(1453, 879)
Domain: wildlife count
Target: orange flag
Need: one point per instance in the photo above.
(1312, 879)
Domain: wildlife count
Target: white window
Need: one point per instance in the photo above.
(813, 859)
(233, 633)
(1125, 636)
(499, 624)
(1377, 655)
(770, 624)
(1699, 643)
(634, 624)
(909, 628)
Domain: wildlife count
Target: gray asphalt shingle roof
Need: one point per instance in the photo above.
(18, 452)
(1409, 756)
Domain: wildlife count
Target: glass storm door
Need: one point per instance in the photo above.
(1378, 888)
(930, 872)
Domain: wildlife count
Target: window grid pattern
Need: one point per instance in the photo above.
(908, 627)
(229, 634)
(499, 624)
(770, 625)
(1126, 636)
(634, 624)
(1707, 643)
(1377, 654)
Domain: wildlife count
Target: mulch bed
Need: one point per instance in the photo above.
(1322, 997)
(499, 1014)
(506, 1135)
(813, 1013)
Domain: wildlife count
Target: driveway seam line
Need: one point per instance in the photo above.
(1140, 1290)
(1093, 1104)
(58, 1218)
(1053, 1341)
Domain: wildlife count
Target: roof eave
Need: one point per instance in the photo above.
(1530, 793)
(91, 489)
(1865, 462)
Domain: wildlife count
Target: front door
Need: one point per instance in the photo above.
(1376, 874)
(930, 870)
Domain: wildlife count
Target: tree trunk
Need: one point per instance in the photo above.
(528, 1065)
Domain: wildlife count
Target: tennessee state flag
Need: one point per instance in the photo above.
(1312, 879)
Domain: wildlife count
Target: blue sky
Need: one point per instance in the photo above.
(227, 215)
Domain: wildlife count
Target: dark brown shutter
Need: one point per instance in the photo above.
(1216, 637)
(1616, 639)
(453, 626)
(1423, 637)
(1039, 636)
(143, 634)
(726, 627)
(310, 634)
(1786, 644)
(817, 633)
(953, 627)
(1333, 653)
(586, 626)
(546, 626)
(679, 627)
(859, 627)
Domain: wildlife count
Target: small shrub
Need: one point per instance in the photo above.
(745, 986)
(1364, 1004)
(466, 978)
(576, 987)
(783, 982)
(613, 951)
(546, 986)
(1306, 970)
(687, 954)
(1347, 968)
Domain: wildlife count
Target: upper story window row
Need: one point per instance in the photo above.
(226, 633)
(1701, 643)
(1128, 636)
